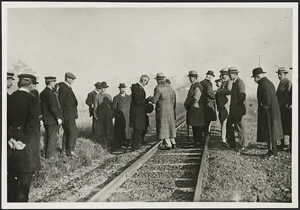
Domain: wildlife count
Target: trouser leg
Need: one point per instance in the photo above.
(230, 132)
(51, 140)
(137, 137)
(12, 186)
(223, 130)
(24, 182)
(72, 132)
(197, 134)
(241, 133)
(65, 137)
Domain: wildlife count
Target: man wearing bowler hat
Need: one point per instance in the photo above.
(90, 100)
(121, 105)
(23, 149)
(237, 110)
(52, 116)
(194, 107)
(10, 78)
(207, 99)
(284, 96)
(103, 113)
(68, 103)
(138, 115)
(269, 128)
(165, 99)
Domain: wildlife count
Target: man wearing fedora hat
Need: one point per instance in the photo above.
(269, 128)
(165, 100)
(138, 116)
(52, 116)
(10, 78)
(284, 96)
(207, 99)
(237, 110)
(103, 114)
(23, 149)
(121, 105)
(68, 103)
(194, 107)
(90, 100)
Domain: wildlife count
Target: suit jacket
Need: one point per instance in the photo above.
(207, 98)
(50, 107)
(37, 96)
(137, 116)
(269, 126)
(68, 102)
(23, 125)
(90, 100)
(238, 97)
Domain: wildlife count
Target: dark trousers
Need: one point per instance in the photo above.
(70, 135)
(197, 134)
(93, 126)
(205, 128)
(51, 139)
(137, 138)
(272, 146)
(119, 134)
(18, 185)
(239, 127)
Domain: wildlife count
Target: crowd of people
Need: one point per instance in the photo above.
(121, 122)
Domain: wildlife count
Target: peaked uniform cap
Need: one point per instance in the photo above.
(27, 76)
(50, 78)
(10, 75)
(70, 75)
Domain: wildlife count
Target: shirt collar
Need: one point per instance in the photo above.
(140, 84)
(96, 91)
(67, 83)
(23, 89)
(235, 79)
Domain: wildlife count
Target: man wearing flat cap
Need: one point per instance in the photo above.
(104, 114)
(223, 93)
(52, 116)
(138, 116)
(207, 99)
(10, 78)
(237, 110)
(269, 128)
(121, 105)
(90, 100)
(164, 99)
(23, 152)
(284, 96)
(194, 107)
(68, 103)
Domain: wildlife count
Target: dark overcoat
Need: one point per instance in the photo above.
(207, 99)
(194, 107)
(50, 107)
(23, 125)
(121, 107)
(36, 93)
(237, 104)
(138, 116)
(269, 126)
(165, 99)
(284, 96)
(104, 112)
(68, 102)
(90, 102)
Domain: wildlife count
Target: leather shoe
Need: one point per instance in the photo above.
(72, 154)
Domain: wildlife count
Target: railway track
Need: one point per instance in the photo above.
(161, 175)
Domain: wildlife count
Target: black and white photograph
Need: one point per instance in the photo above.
(149, 105)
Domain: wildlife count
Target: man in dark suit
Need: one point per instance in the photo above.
(36, 94)
(236, 111)
(68, 103)
(23, 152)
(207, 99)
(138, 118)
(52, 116)
(269, 128)
(90, 100)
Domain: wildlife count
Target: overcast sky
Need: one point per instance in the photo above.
(118, 45)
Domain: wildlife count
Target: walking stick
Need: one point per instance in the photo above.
(269, 130)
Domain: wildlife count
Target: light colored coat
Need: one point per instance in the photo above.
(165, 100)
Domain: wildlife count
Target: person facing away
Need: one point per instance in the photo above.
(103, 113)
(90, 100)
(284, 96)
(165, 99)
(10, 79)
(269, 128)
(52, 116)
(23, 150)
(194, 107)
(236, 111)
(121, 105)
(138, 116)
(68, 103)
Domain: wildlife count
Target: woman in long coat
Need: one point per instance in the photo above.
(103, 112)
(269, 128)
